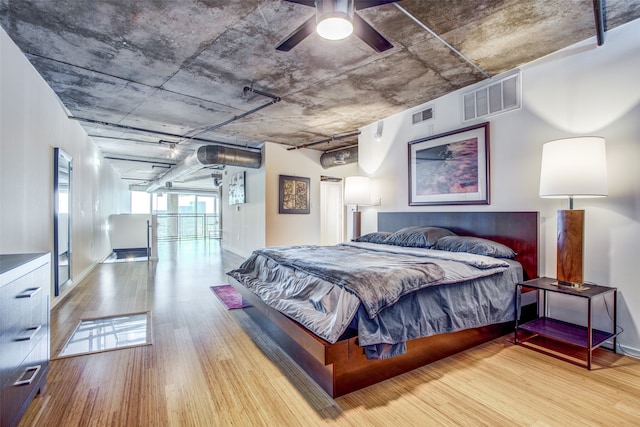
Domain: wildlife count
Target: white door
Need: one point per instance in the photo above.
(331, 213)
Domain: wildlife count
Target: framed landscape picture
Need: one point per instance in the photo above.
(294, 195)
(451, 168)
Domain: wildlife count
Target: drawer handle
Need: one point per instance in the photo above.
(32, 333)
(28, 293)
(33, 370)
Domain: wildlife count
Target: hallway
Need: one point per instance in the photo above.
(196, 372)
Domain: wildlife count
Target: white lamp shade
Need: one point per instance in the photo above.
(574, 167)
(357, 190)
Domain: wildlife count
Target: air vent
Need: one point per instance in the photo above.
(423, 115)
(494, 98)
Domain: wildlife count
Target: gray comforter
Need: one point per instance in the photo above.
(394, 294)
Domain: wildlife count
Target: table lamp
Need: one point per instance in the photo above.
(573, 168)
(357, 191)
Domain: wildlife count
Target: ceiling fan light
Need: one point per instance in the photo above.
(334, 27)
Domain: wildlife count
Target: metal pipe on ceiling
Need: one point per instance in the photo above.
(259, 92)
(136, 140)
(274, 99)
(598, 12)
(154, 162)
(434, 34)
(333, 138)
(156, 132)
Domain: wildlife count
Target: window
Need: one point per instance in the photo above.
(207, 205)
(159, 203)
(140, 202)
(186, 204)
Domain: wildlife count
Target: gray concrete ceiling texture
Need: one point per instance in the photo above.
(152, 80)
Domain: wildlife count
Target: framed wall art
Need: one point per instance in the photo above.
(237, 189)
(294, 195)
(451, 168)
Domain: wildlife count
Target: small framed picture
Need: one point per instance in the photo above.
(237, 189)
(451, 168)
(294, 195)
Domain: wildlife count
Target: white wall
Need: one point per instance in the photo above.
(257, 223)
(582, 90)
(296, 229)
(129, 231)
(243, 225)
(32, 123)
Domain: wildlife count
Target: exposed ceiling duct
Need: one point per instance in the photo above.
(209, 155)
(213, 176)
(189, 191)
(339, 157)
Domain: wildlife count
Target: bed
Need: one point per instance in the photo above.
(341, 365)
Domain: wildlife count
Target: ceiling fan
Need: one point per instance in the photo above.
(335, 20)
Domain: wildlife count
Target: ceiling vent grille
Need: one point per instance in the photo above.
(494, 98)
(422, 116)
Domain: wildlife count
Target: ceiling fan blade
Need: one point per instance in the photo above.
(298, 35)
(368, 35)
(311, 3)
(364, 4)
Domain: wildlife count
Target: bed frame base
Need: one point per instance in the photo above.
(342, 367)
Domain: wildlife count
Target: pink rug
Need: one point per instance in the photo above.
(230, 297)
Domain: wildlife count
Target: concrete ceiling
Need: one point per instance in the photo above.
(141, 75)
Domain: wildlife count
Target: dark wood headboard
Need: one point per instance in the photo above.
(518, 230)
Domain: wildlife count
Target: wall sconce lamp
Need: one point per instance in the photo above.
(334, 19)
(573, 168)
(357, 191)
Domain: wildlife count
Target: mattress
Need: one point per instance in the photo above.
(421, 292)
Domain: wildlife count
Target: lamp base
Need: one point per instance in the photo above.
(569, 266)
(357, 221)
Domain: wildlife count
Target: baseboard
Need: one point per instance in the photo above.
(629, 351)
(74, 282)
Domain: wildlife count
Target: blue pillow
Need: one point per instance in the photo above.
(375, 237)
(418, 237)
(475, 245)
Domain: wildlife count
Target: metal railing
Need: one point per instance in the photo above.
(189, 226)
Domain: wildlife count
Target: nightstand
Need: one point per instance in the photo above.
(544, 326)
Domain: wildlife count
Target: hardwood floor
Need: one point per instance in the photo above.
(209, 366)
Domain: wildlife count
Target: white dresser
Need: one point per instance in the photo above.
(25, 285)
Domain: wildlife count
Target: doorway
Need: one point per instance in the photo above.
(331, 211)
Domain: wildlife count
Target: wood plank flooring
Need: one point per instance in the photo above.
(212, 367)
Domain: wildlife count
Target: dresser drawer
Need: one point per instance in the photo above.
(24, 319)
(25, 284)
(21, 385)
(13, 352)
